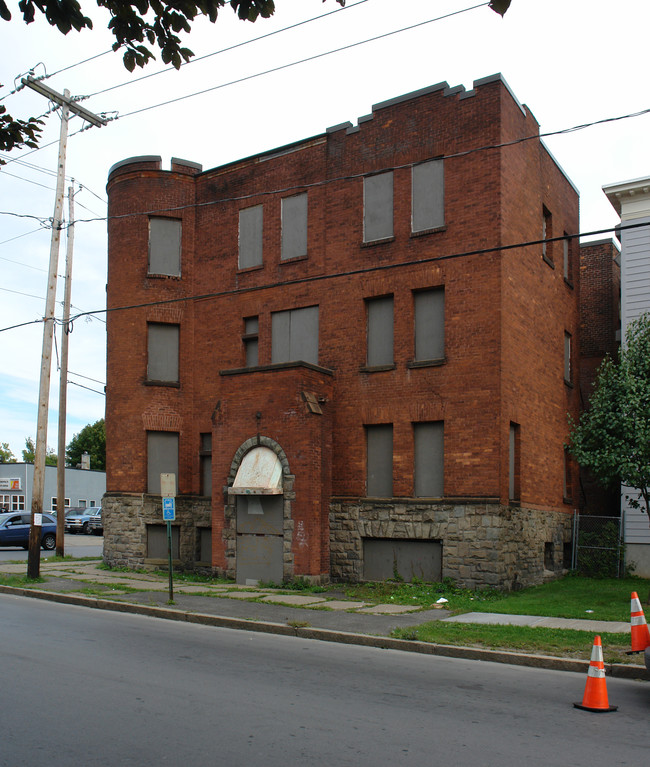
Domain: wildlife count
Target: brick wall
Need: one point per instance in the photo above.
(505, 313)
(600, 325)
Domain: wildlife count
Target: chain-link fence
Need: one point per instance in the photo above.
(598, 549)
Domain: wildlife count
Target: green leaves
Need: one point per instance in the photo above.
(612, 438)
(500, 6)
(92, 440)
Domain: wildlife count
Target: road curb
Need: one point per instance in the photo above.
(619, 670)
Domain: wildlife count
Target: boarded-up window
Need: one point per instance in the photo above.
(380, 331)
(205, 455)
(567, 357)
(165, 246)
(379, 465)
(163, 346)
(428, 441)
(294, 226)
(429, 324)
(514, 463)
(384, 559)
(162, 458)
(251, 222)
(428, 196)
(294, 335)
(157, 546)
(205, 544)
(378, 207)
(251, 341)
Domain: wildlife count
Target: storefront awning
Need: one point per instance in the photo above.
(260, 473)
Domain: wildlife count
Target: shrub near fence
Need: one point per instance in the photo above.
(598, 549)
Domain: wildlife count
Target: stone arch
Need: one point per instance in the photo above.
(230, 508)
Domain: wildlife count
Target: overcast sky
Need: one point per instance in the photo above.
(571, 62)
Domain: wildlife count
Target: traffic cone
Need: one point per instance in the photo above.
(595, 697)
(640, 632)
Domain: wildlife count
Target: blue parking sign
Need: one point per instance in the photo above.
(169, 509)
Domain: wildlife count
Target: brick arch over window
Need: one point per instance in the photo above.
(230, 510)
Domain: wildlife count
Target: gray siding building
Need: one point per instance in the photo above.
(83, 487)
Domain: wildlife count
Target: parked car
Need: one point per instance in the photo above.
(14, 530)
(77, 519)
(95, 524)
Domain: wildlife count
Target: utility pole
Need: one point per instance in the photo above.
(63, 382)
(67, 106)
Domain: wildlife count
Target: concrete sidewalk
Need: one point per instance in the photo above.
(329, 616)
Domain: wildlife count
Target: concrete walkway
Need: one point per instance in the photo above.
(328, 616)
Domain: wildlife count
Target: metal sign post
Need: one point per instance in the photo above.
(168, 492)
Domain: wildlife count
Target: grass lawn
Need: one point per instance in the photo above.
(562, 643)
(570, 597)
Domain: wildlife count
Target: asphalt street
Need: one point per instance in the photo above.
(76, 545)
(88, 687)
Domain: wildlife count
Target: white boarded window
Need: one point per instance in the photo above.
(378, 207)
(162, 352)
(165, 246)
(379, 461)
(429, 308)
(380, 331)
(251, 223)
(428, 196)
(294, 335)
(428, 439)
(294, 226)
(162, 458)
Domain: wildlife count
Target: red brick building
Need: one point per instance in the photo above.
(600, 334)
(356, 352)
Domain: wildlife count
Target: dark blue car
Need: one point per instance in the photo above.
(14, 530)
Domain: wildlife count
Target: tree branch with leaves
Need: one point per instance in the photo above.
(612, 437)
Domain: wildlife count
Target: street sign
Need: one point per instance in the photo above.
(169, 509)
(168, 485)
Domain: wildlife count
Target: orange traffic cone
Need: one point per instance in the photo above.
(640, 632)
(595, 697)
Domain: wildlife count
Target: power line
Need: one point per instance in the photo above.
(26, 180)
(228, 49)
(337, 179)
(81, 386)
(17, 237)
(356, 176)
(354, 272)
(300, 61)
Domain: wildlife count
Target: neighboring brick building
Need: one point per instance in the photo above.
(631, 200)
(600, 333)
(351, 306)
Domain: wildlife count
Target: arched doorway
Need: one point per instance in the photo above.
(258, 494)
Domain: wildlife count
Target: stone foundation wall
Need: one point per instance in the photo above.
(483, 544)
(126, 517)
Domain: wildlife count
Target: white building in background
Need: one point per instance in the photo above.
(83, 487)
(631, 200)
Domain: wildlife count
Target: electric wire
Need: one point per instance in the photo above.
(228, 49)
(299, 61)
(88, 388)
(349, 273)
(17, 237)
